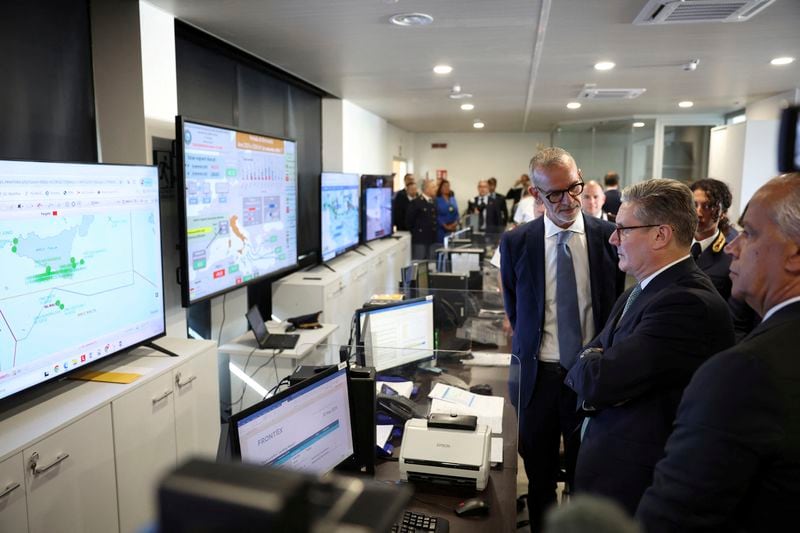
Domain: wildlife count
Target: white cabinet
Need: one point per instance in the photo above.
(13, 509)
(69, 478)
(88, 456)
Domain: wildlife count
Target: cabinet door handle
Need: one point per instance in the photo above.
(42, 469)
(9, 489)
(182, 384)
(162, 397)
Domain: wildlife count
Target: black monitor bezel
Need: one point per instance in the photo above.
(236, 450)
(21, 395)
(388, 183)
(321, 230)
(180, 187)
(360, 352)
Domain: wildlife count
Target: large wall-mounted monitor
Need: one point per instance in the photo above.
(80, 246)
(339, 213)
(307, 427)
(376, 202)
(238, 199)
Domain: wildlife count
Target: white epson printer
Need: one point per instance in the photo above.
(447, 449)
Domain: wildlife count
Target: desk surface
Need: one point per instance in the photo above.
(501, 493)
(309, 339)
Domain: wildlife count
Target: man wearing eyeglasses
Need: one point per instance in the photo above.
(560, 280)
(629, 380)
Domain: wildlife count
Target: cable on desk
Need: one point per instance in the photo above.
(244, 385)
(219, 335)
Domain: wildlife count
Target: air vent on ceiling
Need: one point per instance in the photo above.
(687, 11)
(591, 92)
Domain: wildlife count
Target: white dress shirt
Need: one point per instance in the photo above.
(775, 308)
(580, 259)
(705, 243)
(526, 210)
(652, 276)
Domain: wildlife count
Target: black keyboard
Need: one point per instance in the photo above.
(421, 522)
(276, 341)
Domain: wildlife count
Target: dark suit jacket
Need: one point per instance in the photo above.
(496, 211)
(613, 201)
(733, 461)
(421, 221)
(635, 385)
(523, 276)
(400, 204)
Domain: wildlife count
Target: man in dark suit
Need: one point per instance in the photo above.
(562, 253)
(631, 377)
(402, 199)
(613, 200)
(733, 461)
(492, 211)
(501, 200)
(422, 222)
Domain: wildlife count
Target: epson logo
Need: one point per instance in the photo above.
(442, 445)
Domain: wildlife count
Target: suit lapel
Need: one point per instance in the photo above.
(594, 249)
(535, 252)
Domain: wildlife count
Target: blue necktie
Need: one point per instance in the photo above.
(569, 320)
(637, 290)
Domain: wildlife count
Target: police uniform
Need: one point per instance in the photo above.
(422, 223)
(717, 265)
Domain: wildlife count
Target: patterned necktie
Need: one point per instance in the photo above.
(569, 320)
(637, 290)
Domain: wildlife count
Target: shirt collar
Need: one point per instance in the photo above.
(550, 229)
(427, 198)
(652, 276)
(705, 243)
(775, 308)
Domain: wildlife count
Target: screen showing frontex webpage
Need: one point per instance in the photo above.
(308, 431)
(241, 207)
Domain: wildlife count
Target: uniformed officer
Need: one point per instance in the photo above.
(422, 222)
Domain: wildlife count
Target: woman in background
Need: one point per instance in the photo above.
(446, 210)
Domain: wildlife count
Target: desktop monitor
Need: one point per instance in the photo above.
(376, 192)
(80, 246)
(238, 202)
(339, 213)
(396, 334)
(307, 427)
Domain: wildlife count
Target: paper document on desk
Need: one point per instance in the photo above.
(488, 359)
(382, 434)
(403, 388)
(488, 409)
(496, 455)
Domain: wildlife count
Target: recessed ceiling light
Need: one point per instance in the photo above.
(478, 124)
(685, 103)
(411, 19)
(778, 61)
(573, 105)
(638, 124)
(604, 65)
(443, 69)
(467, 107)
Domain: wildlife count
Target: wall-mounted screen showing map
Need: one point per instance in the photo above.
(376, 207)
(339, 216)
(239, 201)
(80, 246)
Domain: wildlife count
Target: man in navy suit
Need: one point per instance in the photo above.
(631, 377)
(567, 252)
(733, 460)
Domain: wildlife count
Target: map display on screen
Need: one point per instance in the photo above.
(339, 214)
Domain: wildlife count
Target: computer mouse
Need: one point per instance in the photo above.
(482, 388)
(473, 507)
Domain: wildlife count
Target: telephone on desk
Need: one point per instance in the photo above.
(399, 406)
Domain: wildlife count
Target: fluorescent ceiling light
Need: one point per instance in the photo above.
(411, 19)
(443, 69)
(467, 107)
(573, 105)
(779, 61)
(478, 124)
(638, 124)
(738, 119)
(685, 103)
(604, 65)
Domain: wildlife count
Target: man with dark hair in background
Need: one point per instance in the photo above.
(401, 201)
(560, 280)
(611, 206)
(630, 378)
(733, 461)
(492, 210)
(422, 222)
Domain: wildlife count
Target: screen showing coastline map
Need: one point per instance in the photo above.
(80, 246)
(240, 208)
(339, 216)
(376, 210)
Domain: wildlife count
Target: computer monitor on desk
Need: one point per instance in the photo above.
(307, 427)
(414, 279)
(396, 334)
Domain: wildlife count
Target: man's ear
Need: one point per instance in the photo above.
(663, 237)
(793, 260)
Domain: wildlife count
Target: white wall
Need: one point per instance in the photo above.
(470, 157)
(726, 160)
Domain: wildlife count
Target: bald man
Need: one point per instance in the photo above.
(593, 200)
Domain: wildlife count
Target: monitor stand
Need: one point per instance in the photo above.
(326, 265)
(368, 247)
(158, 348)
(361, 253)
